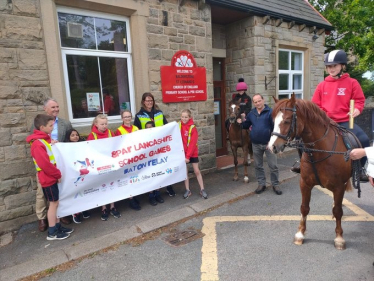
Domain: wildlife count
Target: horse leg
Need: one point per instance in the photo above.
(304, 209)
(337, 211)
(235, 153)
(245, 164)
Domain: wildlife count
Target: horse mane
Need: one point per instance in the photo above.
(307, 110)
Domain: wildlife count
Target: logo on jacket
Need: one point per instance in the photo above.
(341, 92)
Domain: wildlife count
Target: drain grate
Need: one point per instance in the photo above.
(181, 238)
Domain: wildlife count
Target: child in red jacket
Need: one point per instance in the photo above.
(189, 139)
(48, 174)
(100, 131)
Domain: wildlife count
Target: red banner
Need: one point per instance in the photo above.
(183, 81)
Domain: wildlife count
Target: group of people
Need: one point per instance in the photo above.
(332, 95)
(49, 129)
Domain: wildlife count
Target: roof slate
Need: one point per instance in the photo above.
(299, 11)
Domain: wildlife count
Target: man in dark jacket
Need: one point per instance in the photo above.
(262, 126)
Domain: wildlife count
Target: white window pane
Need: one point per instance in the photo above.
(283, 60)
(299, 95)
(297, 82)
(296, 61)
(283, 82)
(283, 96)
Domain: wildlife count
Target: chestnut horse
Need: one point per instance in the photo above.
(323, 164)
(239, 137)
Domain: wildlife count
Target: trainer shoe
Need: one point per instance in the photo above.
(158, 197)
(104, 215)
(134, 204)
(77, 218)
(66, 230)
(170, 191)
(86, 214)
(152, 199)
(58, 235)
(187, 194)
(203, 194)
(115, 213)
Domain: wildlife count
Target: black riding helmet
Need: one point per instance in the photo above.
(336, 57)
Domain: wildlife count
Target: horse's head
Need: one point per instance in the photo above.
(285, 127)
(234, 112)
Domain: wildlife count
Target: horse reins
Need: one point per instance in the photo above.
(298, 144)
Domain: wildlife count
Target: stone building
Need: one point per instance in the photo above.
(66, 49)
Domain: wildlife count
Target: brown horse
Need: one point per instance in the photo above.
(323, 164)
(239, 138)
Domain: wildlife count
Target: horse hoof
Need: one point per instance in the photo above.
(339, 243)
(246, 179)
(298, 241)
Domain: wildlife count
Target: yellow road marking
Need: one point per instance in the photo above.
(209, 263)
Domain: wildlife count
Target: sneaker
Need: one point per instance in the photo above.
(187, 194)
(66, 230)
(203, 194)
(115, 213)
(134, 204)
(58, 235)
(77, 218)
(152, 199)
(170, 191)
(104, 215)
(277, 190)
(158, 197)
(86, 214)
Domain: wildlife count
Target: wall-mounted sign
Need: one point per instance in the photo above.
(183, 81)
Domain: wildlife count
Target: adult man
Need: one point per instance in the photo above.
(60, 128)
(262, 126)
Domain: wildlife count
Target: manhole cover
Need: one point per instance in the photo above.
(181, 238)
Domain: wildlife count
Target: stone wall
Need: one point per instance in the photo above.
(23, 85)
(187, 28)
(252, 48)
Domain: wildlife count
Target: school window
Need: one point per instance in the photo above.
(291, 73)
(96, 56)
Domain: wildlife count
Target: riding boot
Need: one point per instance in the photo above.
(296, 166)
(363, 177)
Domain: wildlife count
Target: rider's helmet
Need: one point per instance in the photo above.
(336, 57)
(241, 86)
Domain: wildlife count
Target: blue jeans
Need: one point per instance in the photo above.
(271, 158)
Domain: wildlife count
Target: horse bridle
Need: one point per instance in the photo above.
(293, 127)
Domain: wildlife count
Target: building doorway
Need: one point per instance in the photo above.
(219, 105)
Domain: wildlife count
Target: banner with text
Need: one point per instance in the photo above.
(99, 172)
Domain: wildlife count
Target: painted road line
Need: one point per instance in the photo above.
(209, 260)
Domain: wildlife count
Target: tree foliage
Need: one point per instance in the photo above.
(353, 21)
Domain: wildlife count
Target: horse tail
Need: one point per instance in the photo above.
(349, 185)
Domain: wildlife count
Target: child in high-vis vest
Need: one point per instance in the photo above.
(127, 128)
(154, 196)
(100, 131)
(48, 174)
(189, 139)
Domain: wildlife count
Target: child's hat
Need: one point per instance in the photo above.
(241, 86)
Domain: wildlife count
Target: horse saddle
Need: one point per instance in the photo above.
(350, 140)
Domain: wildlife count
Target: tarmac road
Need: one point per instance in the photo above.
(245, 237)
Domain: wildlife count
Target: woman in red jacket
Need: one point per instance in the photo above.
(189, 139)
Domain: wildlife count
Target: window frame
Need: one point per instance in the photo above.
(291, 73)
(78, 122)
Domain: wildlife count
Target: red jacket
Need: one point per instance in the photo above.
(191, 150)
(99, 134)
(333, 96)
(49, 174)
